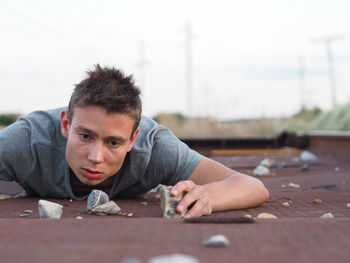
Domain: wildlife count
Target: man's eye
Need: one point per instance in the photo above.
(114, 144)
(84, 137)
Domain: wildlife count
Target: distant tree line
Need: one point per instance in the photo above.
(9, 118)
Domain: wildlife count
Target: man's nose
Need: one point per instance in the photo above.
(96, 153)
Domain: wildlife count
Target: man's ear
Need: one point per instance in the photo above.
(65, 124)
(133, 138)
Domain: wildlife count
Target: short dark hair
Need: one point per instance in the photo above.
(109, 88)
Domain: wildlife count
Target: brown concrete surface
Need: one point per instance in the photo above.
(298, 235)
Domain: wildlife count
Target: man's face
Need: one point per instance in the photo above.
(97, 142)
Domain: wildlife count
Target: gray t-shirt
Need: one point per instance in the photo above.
(32, 153)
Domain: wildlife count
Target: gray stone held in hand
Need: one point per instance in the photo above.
(169, 203)
(96, 198)
(49, 209)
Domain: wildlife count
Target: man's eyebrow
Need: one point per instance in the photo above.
(84, 129)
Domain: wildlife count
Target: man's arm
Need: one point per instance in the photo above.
(214, 187)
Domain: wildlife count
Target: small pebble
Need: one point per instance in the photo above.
(292, 185)
(174, 258)
(266, 162)
(348, 205)
(143, 203)
(327, 215)
(22, 215)
(283, 186)
(129, 215)
(266, 216)
(216, 241)
(317, 201)
(261, 170)
(286, 204)
(27, 211)
(307, 156)
(79, 217)
(248, 215)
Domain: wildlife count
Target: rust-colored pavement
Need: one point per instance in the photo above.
(298, 235)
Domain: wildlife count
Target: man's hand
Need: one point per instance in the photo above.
(195, 195)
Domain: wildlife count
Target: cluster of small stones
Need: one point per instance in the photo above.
(169, 203)
(49, 209)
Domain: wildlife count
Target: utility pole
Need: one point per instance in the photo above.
(331, 73)
(301, 62)
(189, 91)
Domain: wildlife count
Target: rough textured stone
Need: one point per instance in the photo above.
(174, 258)
(96, 198)
(261, 170)
(216, 241)
(169, 203)
(317, 201)
(49, 209)
(286, 204)
(108, 208)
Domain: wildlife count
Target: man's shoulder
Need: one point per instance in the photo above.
(44, 126)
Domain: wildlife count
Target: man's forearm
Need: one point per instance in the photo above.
(236, 192)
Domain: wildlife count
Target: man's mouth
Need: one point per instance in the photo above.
(92, 174)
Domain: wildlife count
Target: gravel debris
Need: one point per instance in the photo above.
(4, 197)
(144, 203)
(292, 185)
(348, 205)
(216, 241)
(79, 217)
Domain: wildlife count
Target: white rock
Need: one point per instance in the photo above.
(292, 185)
(307, 156)
(174, 258)
(216, 241)
(261, 170)
(96, 198)
(266, 216)
(49, 209)
(348, 205)
(266, 162)
(327, 215)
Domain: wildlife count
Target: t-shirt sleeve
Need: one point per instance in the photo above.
(15, 153)
(171, 159)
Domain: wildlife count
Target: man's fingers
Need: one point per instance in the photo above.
(183, 186)
(201, 207)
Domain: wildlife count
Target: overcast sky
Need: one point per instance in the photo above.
(246, 55)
